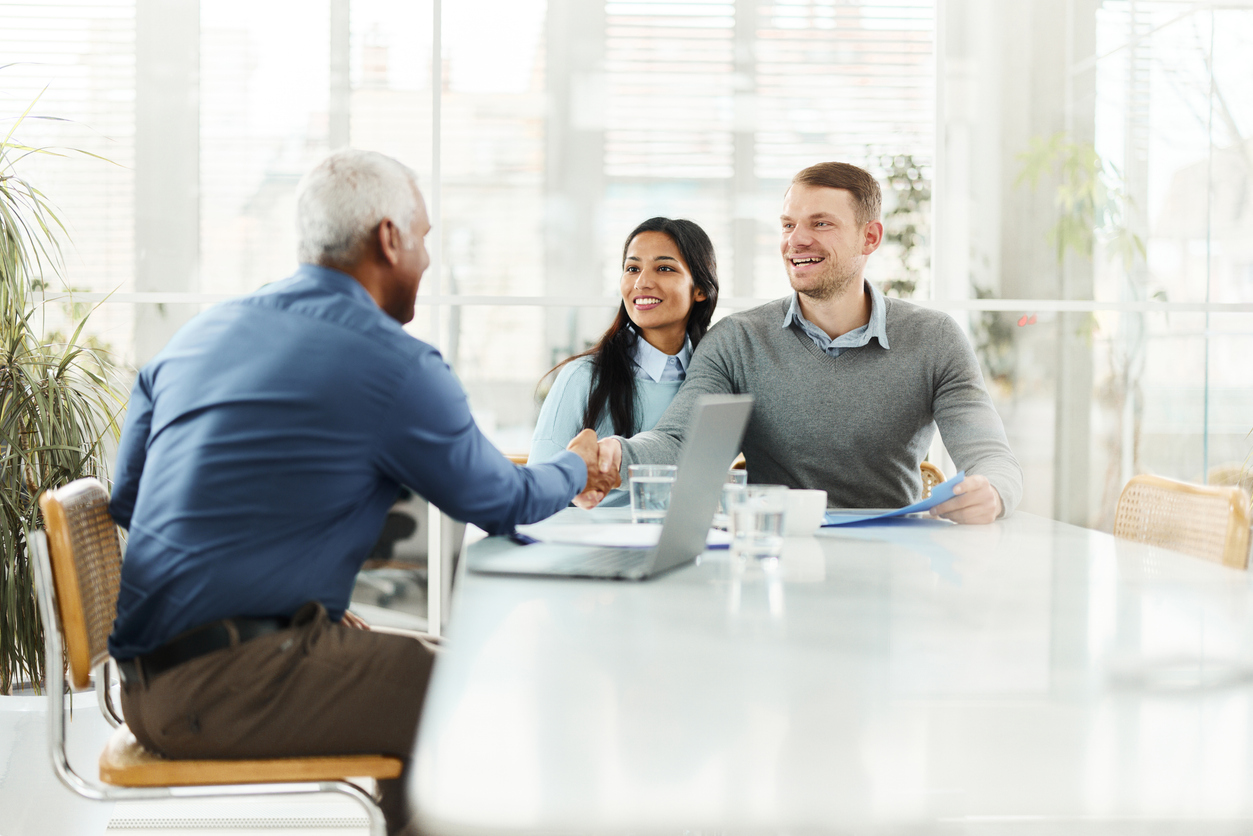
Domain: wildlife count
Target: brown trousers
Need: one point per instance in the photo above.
(315, 688)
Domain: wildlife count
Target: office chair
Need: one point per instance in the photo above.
(1205, 521)
(77, 567)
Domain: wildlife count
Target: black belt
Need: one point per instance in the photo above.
(196, 642)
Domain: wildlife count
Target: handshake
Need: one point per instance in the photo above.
(603, 459)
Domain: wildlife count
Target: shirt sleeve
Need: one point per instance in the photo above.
(131, 452)
(561, 415)
(708, 374)
(431, 444)
(968, 422)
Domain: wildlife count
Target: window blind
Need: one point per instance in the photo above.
(78, 60)
(815, 80)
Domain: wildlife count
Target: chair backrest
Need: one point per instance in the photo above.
(1205, 521)
(86, 559)
(931, 476)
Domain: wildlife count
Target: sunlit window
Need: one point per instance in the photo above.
(1076, 195)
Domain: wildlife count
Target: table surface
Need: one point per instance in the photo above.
(912, 677)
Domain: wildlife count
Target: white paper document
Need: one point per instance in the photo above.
(623, 535)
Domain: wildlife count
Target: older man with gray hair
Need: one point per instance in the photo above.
(262, 449)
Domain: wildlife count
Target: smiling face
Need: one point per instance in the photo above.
(824, 247)
(657, 290)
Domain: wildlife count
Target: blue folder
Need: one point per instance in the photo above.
(942, 492)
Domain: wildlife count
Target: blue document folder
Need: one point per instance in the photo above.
(942, 492)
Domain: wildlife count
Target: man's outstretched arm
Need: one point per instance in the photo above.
(430, 443)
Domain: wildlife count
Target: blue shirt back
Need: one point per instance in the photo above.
(265, 444)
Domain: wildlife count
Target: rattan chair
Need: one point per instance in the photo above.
(1205, 521)
(77, 571)
(931, 476)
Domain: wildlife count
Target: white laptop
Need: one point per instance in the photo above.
(709, 447)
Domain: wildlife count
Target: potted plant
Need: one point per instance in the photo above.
(60, 396)
(906, 223)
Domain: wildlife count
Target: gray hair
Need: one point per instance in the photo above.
(342, 200)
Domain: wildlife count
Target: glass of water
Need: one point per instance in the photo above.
(757, 513)
(650, 491)
(735, 477)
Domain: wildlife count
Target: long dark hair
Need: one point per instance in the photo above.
(613, 371)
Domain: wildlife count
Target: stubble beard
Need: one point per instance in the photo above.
(835, 280)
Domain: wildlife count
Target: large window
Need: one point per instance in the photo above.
(1113, 334)
(1094, 177)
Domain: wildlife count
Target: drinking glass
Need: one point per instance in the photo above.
(735, 478)
(757, 514)
(650, 491)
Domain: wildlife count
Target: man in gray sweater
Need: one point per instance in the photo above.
(850, 386)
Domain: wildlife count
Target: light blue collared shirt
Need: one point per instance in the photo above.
(876, 328)
(651, 363)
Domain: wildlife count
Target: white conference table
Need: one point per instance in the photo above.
(1027, 677)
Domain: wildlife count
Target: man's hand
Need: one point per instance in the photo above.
(351, 619)
(974, 501)
(602, 473)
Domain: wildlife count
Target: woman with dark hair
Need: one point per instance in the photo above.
(623, 384)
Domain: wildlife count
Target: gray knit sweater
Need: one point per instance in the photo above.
(856, 425)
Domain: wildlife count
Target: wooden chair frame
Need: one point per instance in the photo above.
(128, 772)
(931, 476)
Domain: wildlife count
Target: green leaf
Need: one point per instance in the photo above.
(59, 397)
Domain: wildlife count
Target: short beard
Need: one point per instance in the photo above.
(830, 286)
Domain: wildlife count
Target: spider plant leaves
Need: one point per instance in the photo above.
(60, 399)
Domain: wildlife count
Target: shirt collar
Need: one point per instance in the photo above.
(653, 360)
(875, 329)
(337, 280)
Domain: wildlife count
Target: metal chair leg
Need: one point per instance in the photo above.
(55, 673)
(104, 693)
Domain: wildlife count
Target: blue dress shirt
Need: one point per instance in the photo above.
(651, 363)
(265, 444)
(875, 329)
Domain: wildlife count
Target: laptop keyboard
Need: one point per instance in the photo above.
(606, 562)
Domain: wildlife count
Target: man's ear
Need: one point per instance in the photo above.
(390, 242)
(874, 237)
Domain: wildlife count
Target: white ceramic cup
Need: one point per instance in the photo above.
(804, 512)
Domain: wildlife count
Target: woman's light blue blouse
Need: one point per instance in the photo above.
(561, 416)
